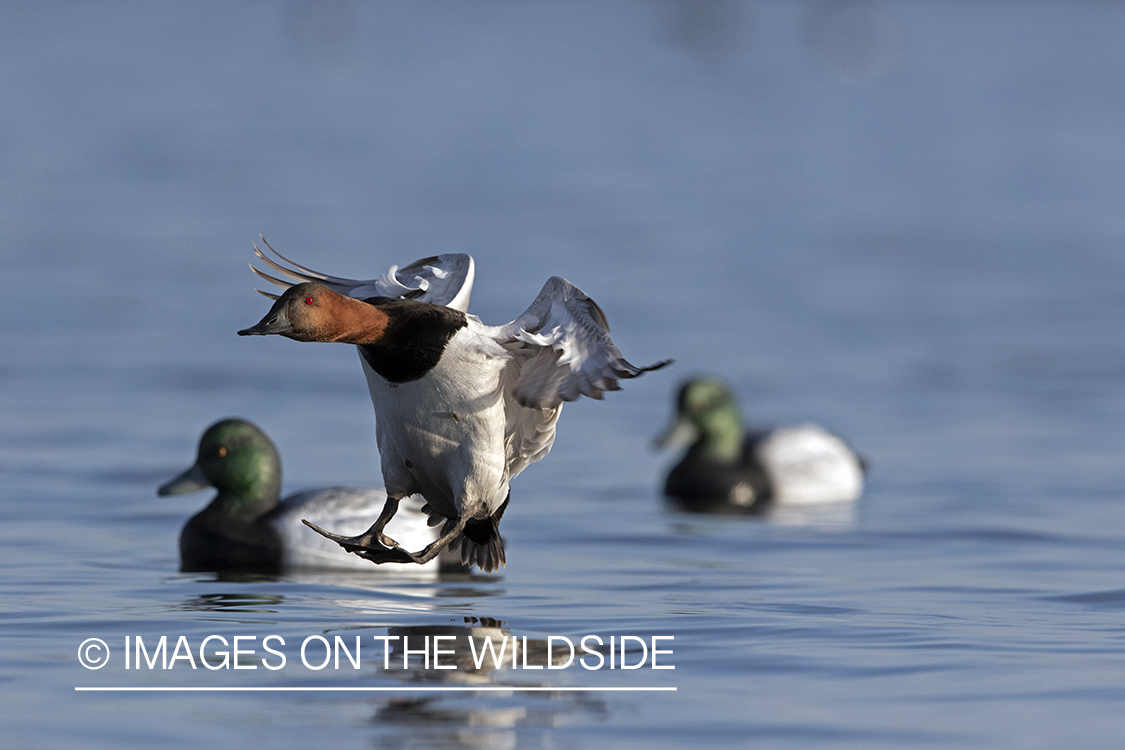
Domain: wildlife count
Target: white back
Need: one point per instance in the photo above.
(808, 464)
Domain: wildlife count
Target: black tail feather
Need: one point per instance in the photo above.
(480, 541)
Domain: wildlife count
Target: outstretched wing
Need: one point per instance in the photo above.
(559, 349)
(562, 349)
(441, 280)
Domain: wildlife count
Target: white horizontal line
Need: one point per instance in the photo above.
(451, 689)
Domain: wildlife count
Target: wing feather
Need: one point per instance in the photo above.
(441, 279)
(561, 349)
(530, 431)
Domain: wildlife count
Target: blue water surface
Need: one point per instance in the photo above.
(903, 220)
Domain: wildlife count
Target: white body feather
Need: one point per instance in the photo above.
(806, 464)
(443, 435)
(488, 409)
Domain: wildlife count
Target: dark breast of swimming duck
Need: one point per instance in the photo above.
(701, 484)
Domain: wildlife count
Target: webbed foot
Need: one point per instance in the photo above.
(371, 545)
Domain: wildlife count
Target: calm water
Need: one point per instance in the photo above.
(903, 220)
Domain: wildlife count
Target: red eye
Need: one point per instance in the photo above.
(308, 300)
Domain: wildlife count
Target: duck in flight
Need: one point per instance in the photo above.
(461, 407)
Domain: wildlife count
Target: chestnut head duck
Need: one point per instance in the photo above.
(461, 407)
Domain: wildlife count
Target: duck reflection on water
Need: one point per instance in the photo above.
(472, 720)
(475, 719)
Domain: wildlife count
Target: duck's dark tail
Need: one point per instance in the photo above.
(480, 542)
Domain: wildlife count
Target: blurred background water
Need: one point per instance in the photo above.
(903, 220)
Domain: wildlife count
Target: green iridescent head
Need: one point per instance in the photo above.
(236, 458)
(707, 413)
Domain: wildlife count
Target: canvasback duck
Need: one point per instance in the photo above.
(461, 407)
(246, 527)
(729, 470)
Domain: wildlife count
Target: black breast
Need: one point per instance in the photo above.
(702, 485)
(210, 542)
(416, 336)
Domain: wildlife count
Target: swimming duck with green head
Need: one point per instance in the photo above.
(727, 469)
(247, 527)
